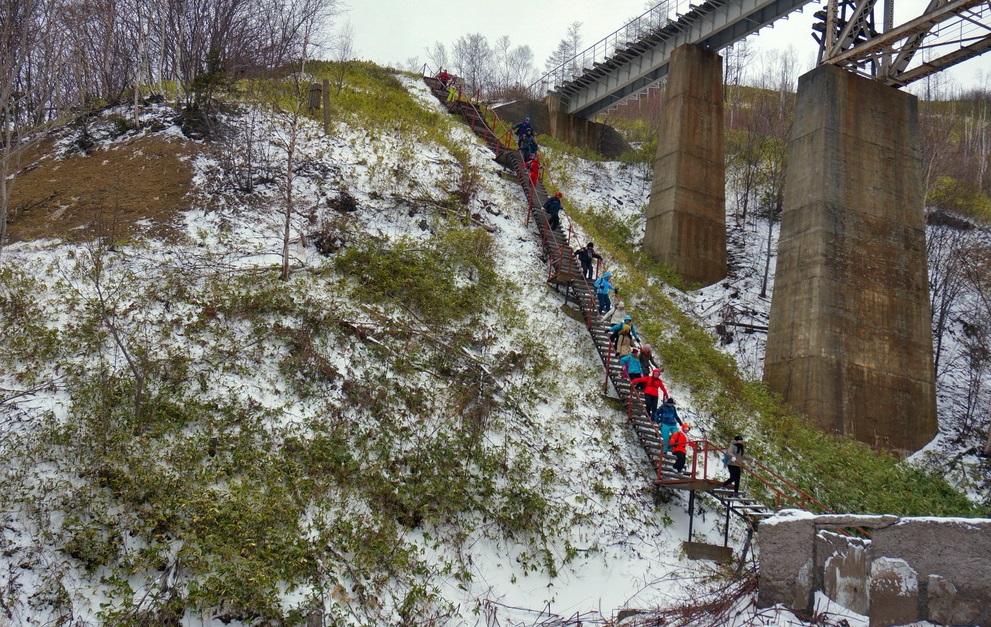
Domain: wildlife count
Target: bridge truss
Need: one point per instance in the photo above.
(947, 33)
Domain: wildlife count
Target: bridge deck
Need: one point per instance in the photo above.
(633, 58)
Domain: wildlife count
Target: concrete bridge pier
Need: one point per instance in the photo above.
(686, 216)
(566, 127)
(850, 341)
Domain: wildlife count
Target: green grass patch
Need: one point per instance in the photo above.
(443, 278)
(962, 197)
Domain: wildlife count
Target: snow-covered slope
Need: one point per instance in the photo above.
(320, 419)
(203, 321)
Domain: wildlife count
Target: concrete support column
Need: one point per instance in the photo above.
(566, 127)
(850, 342)
(686, 217)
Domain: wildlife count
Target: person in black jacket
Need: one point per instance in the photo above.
(529, 146)
(553, 207)
(585, 257)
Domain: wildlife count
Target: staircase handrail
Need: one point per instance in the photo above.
(802, 501)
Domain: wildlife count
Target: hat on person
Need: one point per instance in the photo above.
(647, 348)
(738, 438)
(558, 195)
(627, 318)
(634, 350)
(655, 371)
(526, 119)
(685, 426)
(670, 400)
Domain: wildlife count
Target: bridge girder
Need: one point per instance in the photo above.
(635, 57)
(636, 65)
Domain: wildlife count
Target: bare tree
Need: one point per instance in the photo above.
(437, 56)
(937, 127)
(31, 83)
(522, 72)
(736, 58)
(472, 60)
(309, 16)
(765, 149)
(343, 52)
(501, 53)
(977, 332)
(566, 51)
(944, 249)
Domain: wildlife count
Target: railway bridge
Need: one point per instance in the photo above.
(849, 340)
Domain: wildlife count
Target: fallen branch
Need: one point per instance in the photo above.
(488, 227)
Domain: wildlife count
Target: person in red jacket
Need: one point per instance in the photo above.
(679, 446)
(534, 167)
(653, 387)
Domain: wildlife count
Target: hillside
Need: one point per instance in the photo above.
(409, 430)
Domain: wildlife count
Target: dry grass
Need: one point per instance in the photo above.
(132, 186)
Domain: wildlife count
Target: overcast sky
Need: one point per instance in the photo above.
(390, 32)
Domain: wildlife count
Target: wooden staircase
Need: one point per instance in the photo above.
(564, 273)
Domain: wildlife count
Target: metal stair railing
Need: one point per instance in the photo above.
(747, 507)
(561, 255)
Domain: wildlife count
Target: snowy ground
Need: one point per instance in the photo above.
(628, 554)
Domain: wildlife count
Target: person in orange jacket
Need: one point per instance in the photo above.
(679, 446)
(653, 387)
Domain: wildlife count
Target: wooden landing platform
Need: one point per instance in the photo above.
(571, 312)
(564, 277)
(710, 552)
(688, 483)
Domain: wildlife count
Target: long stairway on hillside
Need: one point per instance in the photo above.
(564, 272)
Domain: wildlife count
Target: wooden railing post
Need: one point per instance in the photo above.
(326, 106)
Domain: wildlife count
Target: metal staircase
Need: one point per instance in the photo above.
(564, 273)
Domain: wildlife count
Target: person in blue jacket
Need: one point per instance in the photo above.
(520, 129)
(529, 146)
(622, 336)
(667, 416)
(602, 288)
(631, 364)
(627, 321)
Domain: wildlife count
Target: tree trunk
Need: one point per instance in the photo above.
(290, 153)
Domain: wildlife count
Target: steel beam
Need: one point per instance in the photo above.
(720, 26)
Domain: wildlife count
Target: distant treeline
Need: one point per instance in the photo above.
(62, 55)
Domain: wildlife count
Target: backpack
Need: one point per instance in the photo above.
(728, 454)
(623, 330)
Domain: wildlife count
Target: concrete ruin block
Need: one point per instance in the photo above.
(945, 605)
(786, 570)
(845, 572)
(866, 521)
(894, 593)
(955, 549)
